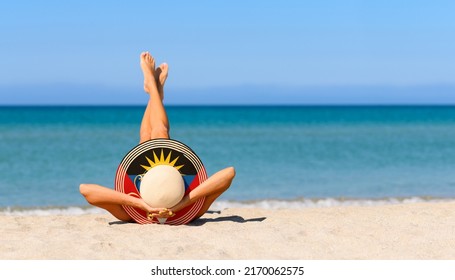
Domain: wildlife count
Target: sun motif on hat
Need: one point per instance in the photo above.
(161, 161)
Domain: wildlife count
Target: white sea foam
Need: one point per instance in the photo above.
(49, 211)
(224, 204)
(318, 203)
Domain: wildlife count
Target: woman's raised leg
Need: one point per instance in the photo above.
(155, 123)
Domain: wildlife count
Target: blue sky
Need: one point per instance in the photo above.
(229, 52)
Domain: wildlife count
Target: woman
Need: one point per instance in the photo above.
(154, 125)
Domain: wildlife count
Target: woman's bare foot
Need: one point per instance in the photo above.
(148, 69)
(161, 73)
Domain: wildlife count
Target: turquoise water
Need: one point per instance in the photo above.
(280, 153)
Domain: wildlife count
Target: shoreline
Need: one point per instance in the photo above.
(219, 205)
(401, 231)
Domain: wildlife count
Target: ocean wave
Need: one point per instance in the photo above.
(224, 204)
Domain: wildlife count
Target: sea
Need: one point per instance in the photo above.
(285, 156)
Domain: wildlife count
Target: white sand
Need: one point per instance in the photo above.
(406, 231)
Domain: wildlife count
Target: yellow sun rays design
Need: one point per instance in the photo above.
(161, 161)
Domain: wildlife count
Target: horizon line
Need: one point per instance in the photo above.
(244, 105)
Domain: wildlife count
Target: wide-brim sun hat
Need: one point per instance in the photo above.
(161, 171)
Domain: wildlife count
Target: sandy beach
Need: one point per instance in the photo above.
(405, 231)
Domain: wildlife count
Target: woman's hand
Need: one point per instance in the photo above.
(160, 213)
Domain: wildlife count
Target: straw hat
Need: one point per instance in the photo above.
(162, 186)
